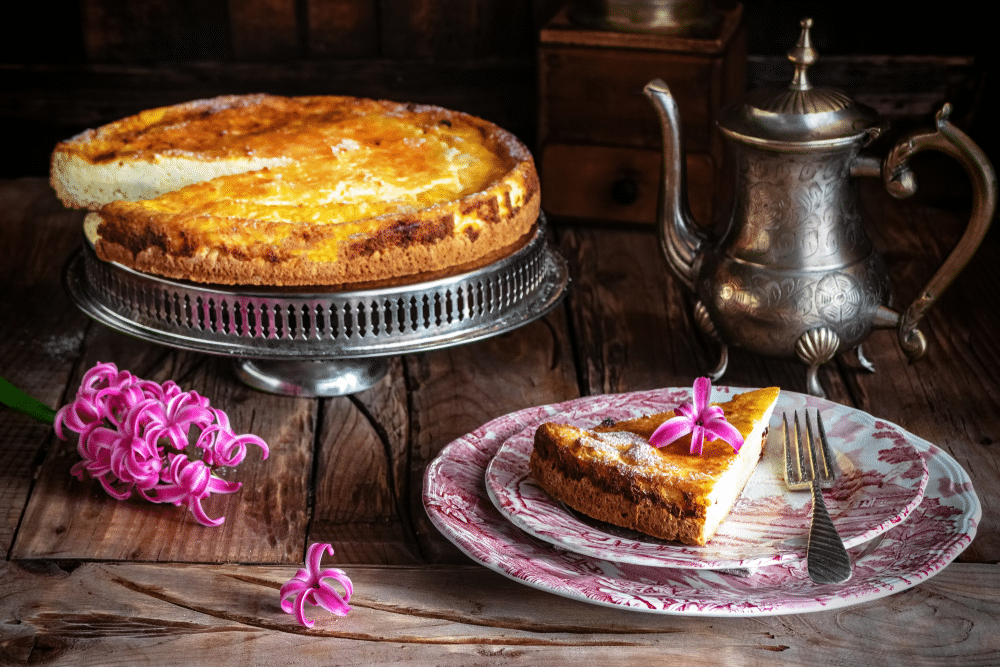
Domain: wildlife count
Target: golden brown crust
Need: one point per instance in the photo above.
(221, 231)
(407, 246)
(610, 494)
(613, 474)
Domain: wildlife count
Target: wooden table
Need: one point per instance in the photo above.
(90, 580)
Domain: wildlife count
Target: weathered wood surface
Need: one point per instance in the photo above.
(87, 580)
(457, 615)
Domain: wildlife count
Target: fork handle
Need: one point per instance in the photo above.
(826, 557)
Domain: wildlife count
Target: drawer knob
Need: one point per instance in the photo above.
(625, 190)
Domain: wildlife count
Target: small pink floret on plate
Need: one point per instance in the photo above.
(699, 419)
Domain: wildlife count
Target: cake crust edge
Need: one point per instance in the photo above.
(609, 494)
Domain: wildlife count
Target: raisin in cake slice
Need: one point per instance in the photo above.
(613, 474)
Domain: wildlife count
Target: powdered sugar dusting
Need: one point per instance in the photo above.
(641, 454)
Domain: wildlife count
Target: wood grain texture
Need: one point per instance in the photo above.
(950, 396)
(41, 333)
(343, 29)
(457, 615)
(447, 29)
(634, 323)
(265, 520)
(144, 31)
(90, 581)
(455, 391)
(265, 29)
(362, 488)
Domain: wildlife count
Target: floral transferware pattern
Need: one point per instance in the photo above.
(882, 479)
(456, 500)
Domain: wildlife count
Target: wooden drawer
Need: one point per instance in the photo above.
(619, 184)
(599, 136)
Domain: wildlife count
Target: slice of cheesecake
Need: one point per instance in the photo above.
(613, 474)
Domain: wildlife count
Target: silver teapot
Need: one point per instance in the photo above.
(794, 274)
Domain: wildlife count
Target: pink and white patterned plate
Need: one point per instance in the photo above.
(457, 502)
(882, 478)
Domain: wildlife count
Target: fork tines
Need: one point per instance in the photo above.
(807, 453)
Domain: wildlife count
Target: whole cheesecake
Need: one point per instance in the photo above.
(297, 191)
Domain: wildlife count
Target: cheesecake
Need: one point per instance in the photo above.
(610, 471)
(300, 191)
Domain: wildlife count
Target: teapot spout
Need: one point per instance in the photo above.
(681, 239)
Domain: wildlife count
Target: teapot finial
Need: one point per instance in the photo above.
(803, 55)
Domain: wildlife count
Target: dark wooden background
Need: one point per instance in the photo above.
(66, 66)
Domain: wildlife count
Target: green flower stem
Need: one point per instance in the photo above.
(14, 398)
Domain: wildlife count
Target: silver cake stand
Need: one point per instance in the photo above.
(319, 343)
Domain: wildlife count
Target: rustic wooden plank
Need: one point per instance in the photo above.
(265, 520)
(457, 615)
(40, 333)
(461, 29)
(343, 29)
(265, 29)
(454, 29)
(362, 494)
(455, 391)
(131, 31)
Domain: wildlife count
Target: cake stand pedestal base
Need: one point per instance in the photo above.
(334, 377)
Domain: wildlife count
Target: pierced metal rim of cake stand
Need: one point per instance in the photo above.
(318, 343)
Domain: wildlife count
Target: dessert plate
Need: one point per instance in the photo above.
(881, 481)
(457, 502)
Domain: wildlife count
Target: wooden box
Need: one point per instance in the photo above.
(599, 136)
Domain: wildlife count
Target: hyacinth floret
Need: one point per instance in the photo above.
(700, 419)
(309, 585)
(136, 435)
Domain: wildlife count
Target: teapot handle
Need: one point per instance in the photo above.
(900, 182)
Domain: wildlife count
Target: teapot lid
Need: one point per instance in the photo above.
(800, 117)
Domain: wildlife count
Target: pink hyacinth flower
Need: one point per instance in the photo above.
(221, 446)
(699, 419)
(308, 585)
(131, 432)
(188, 482)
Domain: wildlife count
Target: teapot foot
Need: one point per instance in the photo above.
(814, 348)
(720, 368)
(812, 382)
(863, 360)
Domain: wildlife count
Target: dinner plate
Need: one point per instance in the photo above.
(458, 504)
(880, 481)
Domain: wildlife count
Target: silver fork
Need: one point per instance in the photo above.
(808, 465)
